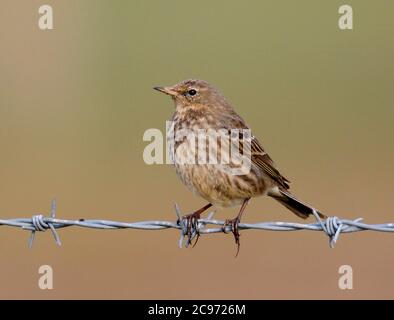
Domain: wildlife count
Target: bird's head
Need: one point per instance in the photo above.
(194, 93)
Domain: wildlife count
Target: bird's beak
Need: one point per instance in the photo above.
(166, 90)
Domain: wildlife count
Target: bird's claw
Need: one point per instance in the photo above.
(192, 229)
(235, 231)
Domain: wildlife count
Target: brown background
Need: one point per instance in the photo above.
(75, 101)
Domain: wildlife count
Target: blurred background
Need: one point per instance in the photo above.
(75, 102)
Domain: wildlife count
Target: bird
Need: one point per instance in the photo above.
(200, 106)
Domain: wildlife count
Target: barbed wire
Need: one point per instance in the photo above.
(332, 226)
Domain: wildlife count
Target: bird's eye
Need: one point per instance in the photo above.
(192, 92)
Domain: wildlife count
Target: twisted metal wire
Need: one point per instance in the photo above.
(332, 226)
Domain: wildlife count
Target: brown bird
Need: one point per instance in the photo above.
(200, 106)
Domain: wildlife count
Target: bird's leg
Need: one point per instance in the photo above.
(234, 224)
(192, 221)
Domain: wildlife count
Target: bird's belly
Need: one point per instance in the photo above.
(218, 186)
(215, 182)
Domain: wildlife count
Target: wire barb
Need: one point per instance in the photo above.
(39, 224)
(187, 238)
(332, 226)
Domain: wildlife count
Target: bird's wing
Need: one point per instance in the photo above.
(262, 160)
(259, 156)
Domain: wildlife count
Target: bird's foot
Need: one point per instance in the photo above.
(190, 224)
(234, 229)
(192, 227)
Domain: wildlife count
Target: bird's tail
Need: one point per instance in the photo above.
(296, 206)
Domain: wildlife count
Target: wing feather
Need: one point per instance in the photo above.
(262, 160)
